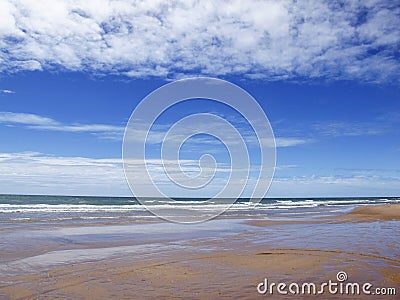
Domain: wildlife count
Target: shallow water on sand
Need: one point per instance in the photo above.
(226, 256)
(26, 250)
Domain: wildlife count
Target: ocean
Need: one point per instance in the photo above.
(88, 209)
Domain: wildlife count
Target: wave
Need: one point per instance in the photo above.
(268, 204)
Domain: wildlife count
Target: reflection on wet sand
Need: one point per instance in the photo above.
(218, 259)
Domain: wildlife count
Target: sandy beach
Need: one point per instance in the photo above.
(220, 259)
(374, 213)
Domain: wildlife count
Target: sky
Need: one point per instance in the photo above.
(326, 74)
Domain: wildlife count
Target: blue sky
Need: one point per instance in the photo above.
(326, 75)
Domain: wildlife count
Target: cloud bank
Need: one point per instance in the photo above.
(297, 40)
(38, 173)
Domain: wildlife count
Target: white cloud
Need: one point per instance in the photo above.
(335, 186)
(259, 39)
(338, 129)
(285, 167)
(26, 119)
(37, 122)
(37, 173)
(7, 92)
(289, 142)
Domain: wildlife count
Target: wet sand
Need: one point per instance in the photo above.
(220, 259)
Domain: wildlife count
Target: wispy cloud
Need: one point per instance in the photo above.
(290, 142)
(335, 186)
(37, 122)
(313, 131)
(249, 138)
(259, 39)
(336, 129)
(6, 91)
(286, 167)
(26, 119)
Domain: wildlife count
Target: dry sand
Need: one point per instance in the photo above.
(370, 213)
(374, 213)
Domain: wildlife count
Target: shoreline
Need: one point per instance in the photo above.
(218, 259)
(365, 213)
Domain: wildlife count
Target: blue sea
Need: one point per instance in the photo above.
(45, 208)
